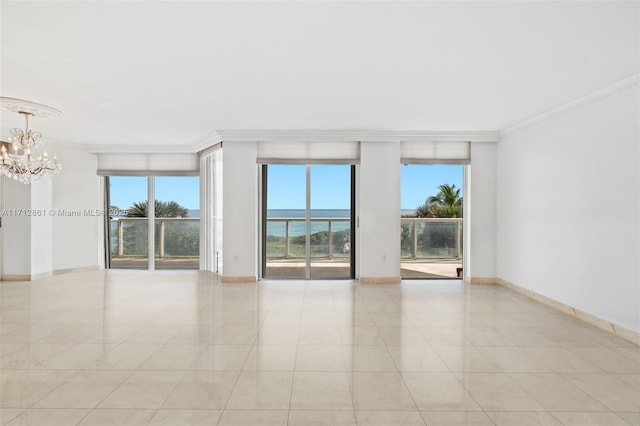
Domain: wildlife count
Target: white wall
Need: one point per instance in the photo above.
(379, 199)
(378, 203)
(77, 240)
(27, 235)
(41, 227)
(568, 208)
(240, 210)
(16, 229)
(481, 210)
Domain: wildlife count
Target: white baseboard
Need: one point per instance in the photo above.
(380, 280)
(71, 270)
(481, 280)
(602, 324)
(26, 277)
(238, 280)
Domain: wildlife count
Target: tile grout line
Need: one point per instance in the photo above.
(253, 343)
(295, 358)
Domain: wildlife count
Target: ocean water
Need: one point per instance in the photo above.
(278, 229)
(318, 213)
(315, 213)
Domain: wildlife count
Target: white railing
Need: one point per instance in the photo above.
(330, 238)
(421, 238)
(175, 237)
(431, 238)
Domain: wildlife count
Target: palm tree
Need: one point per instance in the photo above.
(449, 195)
(423, 210)
(162, 209)
(446, 203)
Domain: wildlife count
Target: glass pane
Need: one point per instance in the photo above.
(320, 238)
(436, 239)
(330, 221)
(406, 238)
(431, 224)
(127, 222)
(285, 227)
(297, 240)
(341, 238)
(177, 229)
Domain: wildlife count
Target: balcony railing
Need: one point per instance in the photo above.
(330, 238)
(421, 238)
(175, 237)
(431, 238)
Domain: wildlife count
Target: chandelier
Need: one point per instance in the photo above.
(18, 159)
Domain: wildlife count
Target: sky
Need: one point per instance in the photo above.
(418, 182)
(185, 190)
(330, 186)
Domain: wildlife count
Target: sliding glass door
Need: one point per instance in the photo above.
(174, 239)
(177, 237)
(431, 223)
(307, 221)
(284, 229)
(128, 224)
(330, 233)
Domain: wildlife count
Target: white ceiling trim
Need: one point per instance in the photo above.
(207, 141)
(139, 149)
(215, 137)
(620, 86)
(356, 136)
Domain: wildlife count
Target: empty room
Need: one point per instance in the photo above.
(319, 213)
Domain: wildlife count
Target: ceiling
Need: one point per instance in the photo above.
(132, 73)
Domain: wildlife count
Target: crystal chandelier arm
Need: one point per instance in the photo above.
(23, 164)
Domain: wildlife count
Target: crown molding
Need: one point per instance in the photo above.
(139, 149)
(620, 86)
(207, 141)
(215, 137)
(356, 135)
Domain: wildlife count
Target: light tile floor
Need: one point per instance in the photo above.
(180, 348)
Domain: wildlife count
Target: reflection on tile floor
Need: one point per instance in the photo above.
(180, 348)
